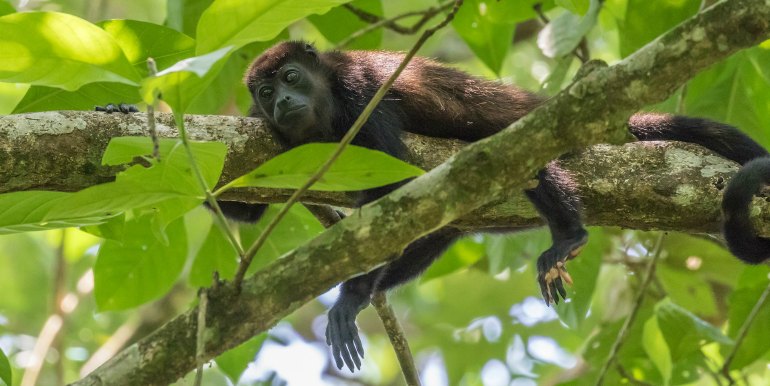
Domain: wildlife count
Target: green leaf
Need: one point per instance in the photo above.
(29, 211)
(488, 38)
(140, 269)
(655, 346)
(742, 301)
(357, 168)
(231, 23)
(5, 369)
(564, 32)
(234, 362)
(42, 98)
(462, 254)
(579, 7)
(515, 249)
(645, 20)
(60, 50)
(183, 15)
(216, 254)
(210, 155)
(339, 23)
(6, 8)
(182, 82)
(140, 40)
(684, 332)
(296, 228)
(140, 187)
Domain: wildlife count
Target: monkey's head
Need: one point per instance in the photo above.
(290, 88)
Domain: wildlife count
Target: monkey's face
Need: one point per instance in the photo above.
(296, 102)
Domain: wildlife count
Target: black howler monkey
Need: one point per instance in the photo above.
(307, 96)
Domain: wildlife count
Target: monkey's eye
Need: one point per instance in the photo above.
(266, 92)
(291, 76)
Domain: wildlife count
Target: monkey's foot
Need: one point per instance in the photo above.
(342, 335)
(551, 268)
(124, 108)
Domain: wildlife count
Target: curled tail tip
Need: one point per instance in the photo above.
(742, 238)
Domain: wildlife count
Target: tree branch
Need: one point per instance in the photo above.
(590, 111)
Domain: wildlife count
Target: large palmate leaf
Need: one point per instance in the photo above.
(60, 50)
(237, 23)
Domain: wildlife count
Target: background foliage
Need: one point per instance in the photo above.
(474, 318)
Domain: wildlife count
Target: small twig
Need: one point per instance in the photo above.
(744, 330)
(634, 311)
(249, 256)
(391, 22)
(200, 342)
(152, 68)
(427, 15)
(397, 338)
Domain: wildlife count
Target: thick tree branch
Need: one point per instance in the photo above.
(590, 111)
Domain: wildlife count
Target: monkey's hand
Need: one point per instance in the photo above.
(119, 108)
(342, 333)
(551, 270)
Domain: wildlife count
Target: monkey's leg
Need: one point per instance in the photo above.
(557, 203)
(355, 294)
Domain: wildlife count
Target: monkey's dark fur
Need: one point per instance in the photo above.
(310, 96)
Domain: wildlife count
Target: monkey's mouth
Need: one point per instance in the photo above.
(293, 115)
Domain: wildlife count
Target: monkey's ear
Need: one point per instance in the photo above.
(311, 50)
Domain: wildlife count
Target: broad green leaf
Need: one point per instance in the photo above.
(564, 32)
(684, 332)
(11, 94)
(735, 91)
(28, 211)
(339, 23)
(462, 254)
(515, 249)
(6, 8)
(688, 289)
(216, 254)
(645, 20)
(655, 346)
(488, 38)
(357, 168)
(140, 40)
(60, 50)
(742, 301)
(141, 268)
(579, 7)
(232, 23)
(5, 367)
(43, 98)
(182, 82)
(183, 15)
(234, 362)
(209, 155)
(142, 187)
(296, 228)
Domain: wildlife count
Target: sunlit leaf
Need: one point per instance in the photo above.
(339, 23)
(231, 23)
(60, 50)
(462, 254)
(181, 83)
(488, 38)
(5, 368)
(140, 269)
(183, 15)
(29, 211)
(234, 362)
(645, 20)
(657, 350)
(564, 32)
(141, 40)
(357, 168)
(216, 254)
(684, 332)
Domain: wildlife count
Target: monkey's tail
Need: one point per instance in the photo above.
(731, 143)
(741, 237)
